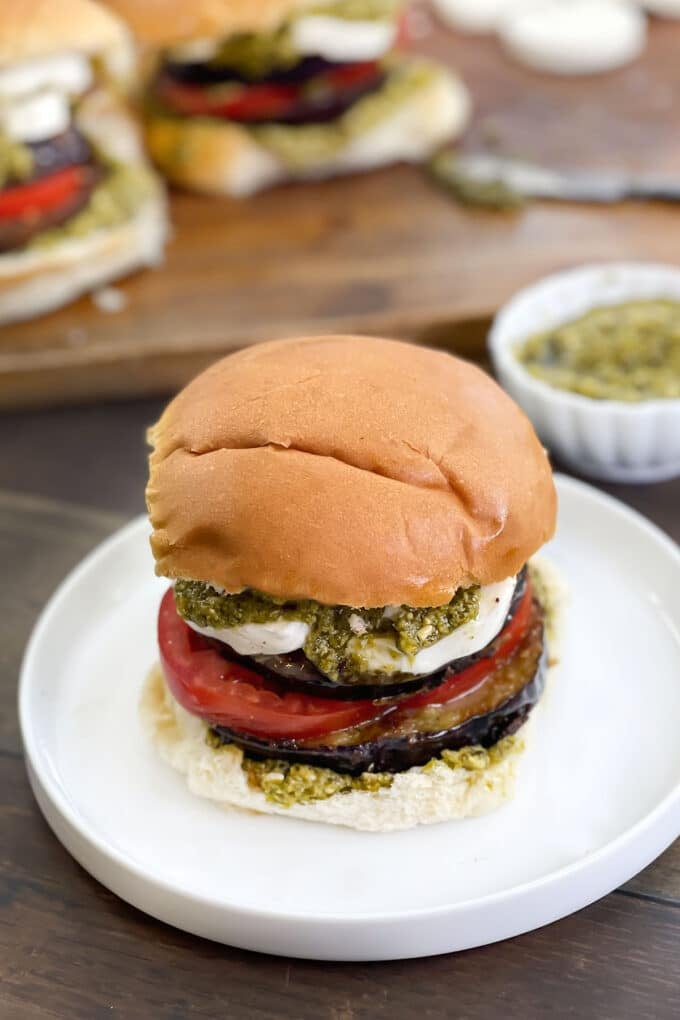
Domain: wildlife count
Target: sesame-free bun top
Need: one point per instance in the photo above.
(160, 23)
(32, 29)
(349, 470)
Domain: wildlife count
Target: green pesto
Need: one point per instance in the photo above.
(475, 758)
(114, 201)
(469, 190)
(420, 628)
(286, 784)
(339, 636)
(256, 54)
(627, 352)
(16, 161)
(302, 146)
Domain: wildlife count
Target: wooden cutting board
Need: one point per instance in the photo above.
(383, 253)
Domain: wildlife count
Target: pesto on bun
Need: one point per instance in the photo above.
(353, 633)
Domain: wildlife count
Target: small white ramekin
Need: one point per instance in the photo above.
(609, 439)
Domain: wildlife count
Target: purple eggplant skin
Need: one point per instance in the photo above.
(317, 106)
(16, 233)
(67, 149)
(299, 674)
(401, 753)
(196, 73)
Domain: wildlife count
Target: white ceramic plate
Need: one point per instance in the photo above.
(598, 795)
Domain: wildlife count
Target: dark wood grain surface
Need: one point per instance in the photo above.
(384, 253)
(71, 950)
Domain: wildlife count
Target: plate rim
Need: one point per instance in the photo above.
(50, 788)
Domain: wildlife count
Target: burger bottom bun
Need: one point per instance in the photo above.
(220, 157)
(416, 797)
(35, 282)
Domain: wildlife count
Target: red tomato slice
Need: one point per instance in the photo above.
(252, 103)
(227, 694)
(347, 75)
(41, 195)
(464, 681)
(238, 102)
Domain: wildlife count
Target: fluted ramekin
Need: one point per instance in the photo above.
(609, 439)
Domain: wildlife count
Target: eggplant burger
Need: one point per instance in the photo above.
(245, 93)
(78, 203)
(352, 634)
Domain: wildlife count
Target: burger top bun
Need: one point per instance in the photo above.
(170, 22)
(31, 29)
(349, 470)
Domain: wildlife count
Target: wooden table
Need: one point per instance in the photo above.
(69, 949)
(384, 253)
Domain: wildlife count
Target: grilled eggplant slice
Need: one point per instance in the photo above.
(406, 737)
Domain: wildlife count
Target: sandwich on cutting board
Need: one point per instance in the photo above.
(243, 94)
(79, 204)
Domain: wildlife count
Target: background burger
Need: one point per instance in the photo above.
(353, 634)
(78, 203)
(245, 93)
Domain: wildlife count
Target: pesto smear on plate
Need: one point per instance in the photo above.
(628, 352)
(339, 636)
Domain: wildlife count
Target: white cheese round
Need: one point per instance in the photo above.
(69, 73)
(382, 656)
(341, 39)
(275, 638)
(579, 37)
(37, 116)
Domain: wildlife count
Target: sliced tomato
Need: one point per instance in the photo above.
(227, 694)
(245, 102)
(347, 75)
(258, 102)
(507, 643)
(42, 195)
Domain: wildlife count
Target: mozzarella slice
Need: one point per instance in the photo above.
(579, 37)
(341, 39)
(37, 116)
(381, 654)
(275, 638)
(70, 73)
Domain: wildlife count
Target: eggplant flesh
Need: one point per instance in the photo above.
(391, 751)
(300, 674)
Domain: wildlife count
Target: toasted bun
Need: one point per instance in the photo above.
(169, 22)
(38, 280)
(349, 470)
(37, 28)
(416, 797)
(220, 157)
